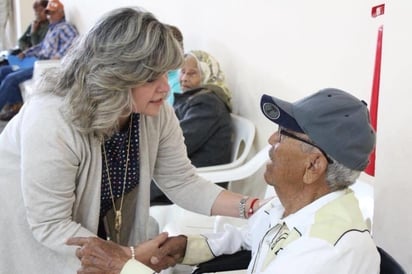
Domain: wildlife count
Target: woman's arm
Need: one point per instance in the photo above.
(50, 171)
(234, 204)
(179, 181)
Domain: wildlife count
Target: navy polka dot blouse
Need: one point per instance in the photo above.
(116, 152)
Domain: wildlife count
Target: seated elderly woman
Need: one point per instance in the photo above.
(203, 110)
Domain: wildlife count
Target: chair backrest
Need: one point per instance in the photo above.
(239, 172)
(242, 141)
(41, 66)
(388, 264)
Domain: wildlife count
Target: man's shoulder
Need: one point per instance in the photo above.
(64, 25)
(338, 217)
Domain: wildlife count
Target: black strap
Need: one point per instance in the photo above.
(388, 264)
(236, 261)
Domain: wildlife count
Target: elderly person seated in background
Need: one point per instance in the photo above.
(58, 40)
(203, 110)
(34, 33)
(173, 75)
(37, 30)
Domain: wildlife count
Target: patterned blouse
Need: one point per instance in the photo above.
(116, 153)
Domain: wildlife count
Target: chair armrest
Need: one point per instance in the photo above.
(41, 65)
(240, 172)
(236, 261)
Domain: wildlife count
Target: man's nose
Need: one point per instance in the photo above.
(274, 138)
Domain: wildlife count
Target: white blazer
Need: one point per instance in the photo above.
(50, 176)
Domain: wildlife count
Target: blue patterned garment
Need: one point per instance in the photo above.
(116, 152)
(174, 83)
(56, 43)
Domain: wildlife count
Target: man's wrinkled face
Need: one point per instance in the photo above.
(287, 161)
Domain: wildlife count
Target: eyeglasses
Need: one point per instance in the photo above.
(293, 136)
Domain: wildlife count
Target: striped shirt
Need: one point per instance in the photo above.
(58, 40)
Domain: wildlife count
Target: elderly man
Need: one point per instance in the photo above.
(37, 30)
(314, 225)
(57, 41)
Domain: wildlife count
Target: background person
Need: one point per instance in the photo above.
(5, 9)
(79, 157)
(173, 75)
(37, 30)
(203, 110)
(58, 40)
(34, 33)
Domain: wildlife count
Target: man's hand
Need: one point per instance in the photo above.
(21, 55)
(147, 250)
(174, 247)
(99, 256)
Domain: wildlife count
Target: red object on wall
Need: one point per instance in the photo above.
(378, 10)
(373, 109)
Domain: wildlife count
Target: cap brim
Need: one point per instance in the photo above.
(279, 112)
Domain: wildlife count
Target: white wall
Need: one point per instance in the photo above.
(393, 222)
(24, 15)
(292, 48)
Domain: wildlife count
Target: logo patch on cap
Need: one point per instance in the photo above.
(271, 111)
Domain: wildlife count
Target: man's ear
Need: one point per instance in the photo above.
(315, 167)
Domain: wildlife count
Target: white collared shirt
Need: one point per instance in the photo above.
(326, 236)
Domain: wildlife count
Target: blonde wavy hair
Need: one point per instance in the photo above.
(127, 47)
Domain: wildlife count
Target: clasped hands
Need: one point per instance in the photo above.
(100, 256)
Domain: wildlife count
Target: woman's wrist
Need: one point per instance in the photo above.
(254, 205)
(248, 206)
(132, 252)
(242, 207)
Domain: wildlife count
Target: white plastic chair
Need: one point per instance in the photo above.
(26, 88)
(243, 136)
(177, 220)
(241, 172)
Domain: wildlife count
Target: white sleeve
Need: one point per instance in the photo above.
(314, 256)
(227, 242)
(136, 267)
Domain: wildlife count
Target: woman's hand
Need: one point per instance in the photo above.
(100, 256)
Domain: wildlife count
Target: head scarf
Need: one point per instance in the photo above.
(212, 76)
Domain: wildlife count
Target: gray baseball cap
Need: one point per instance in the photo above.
(334, 120)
